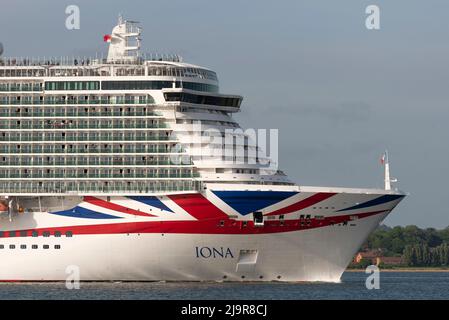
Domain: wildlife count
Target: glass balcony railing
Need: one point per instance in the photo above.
(82, 126)
(93, 187)
(89, 150)
(79, 114)
(76, 102)
(98, 176)
(75, 139)
(90, 190)
(70, 162)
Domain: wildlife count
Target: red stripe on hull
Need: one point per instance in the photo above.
(198, 206)
(211, 226)
(302, 204)
(115, 207)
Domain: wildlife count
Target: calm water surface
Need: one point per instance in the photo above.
(393, 285)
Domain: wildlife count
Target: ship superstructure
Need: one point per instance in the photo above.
(123, 167)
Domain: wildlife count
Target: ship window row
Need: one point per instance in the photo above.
(182, 72)
(92, 148)
(201, 99)
(114, 186)
(208, 122)
(72, 85)
(97, 173)
(115, 134)
(202, 110)
(106, 85)
(70, 160)
(156, 85)
(77, 111)
(63, 136)
(34, 233)
(20, 86)
(61, 124)
(34, 246)
(75, 99)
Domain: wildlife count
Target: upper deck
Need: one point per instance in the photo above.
(147, 65)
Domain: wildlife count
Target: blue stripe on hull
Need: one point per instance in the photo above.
(79, 212)
(151, 201)
(245, 202)
(380, 200)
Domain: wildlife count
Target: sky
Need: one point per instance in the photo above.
(339, 94)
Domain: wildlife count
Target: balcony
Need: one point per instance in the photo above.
(44, 150)
(86, 139)
(97, 176)
(77, 102)
(5, 114)
(81, 126)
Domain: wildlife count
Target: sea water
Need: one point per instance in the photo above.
(393, 285)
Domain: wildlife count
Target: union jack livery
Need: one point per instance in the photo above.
(116, 167)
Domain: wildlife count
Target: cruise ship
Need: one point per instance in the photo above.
(131, 167)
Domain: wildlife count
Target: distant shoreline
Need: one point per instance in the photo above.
(403, 270)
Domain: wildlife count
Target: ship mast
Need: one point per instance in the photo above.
(387, 179)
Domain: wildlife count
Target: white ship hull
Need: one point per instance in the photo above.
(181, 251)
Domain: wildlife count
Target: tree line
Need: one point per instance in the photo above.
(418, 247)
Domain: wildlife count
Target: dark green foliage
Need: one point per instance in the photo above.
(419, 247)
